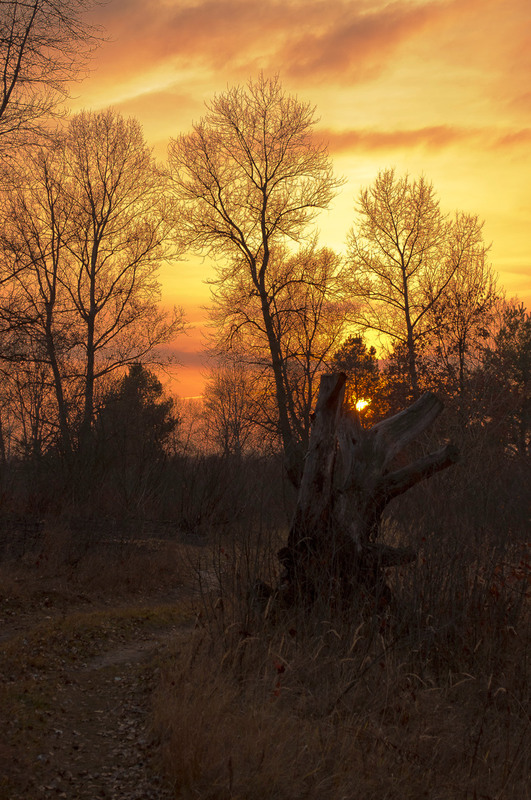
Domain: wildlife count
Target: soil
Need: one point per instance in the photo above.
(76, 678)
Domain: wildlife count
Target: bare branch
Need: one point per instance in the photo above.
(398, 482)
(393, 434)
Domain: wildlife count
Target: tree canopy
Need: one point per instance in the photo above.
(249, 178)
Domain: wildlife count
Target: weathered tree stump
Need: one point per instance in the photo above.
(332, 552)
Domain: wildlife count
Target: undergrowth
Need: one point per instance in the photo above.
(428, 698)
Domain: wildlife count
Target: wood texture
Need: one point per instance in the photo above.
(347, 482)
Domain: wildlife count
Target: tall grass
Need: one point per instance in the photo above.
(426, 698)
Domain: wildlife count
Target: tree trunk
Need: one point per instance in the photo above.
(332, 552)
(64, 428)
(292, 453)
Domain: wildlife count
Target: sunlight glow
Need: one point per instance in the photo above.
(361, 404)
(441, 90)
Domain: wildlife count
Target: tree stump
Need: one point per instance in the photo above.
(347, 481)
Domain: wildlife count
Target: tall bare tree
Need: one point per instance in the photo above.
(308, 316)
(44, 44)
(460, 322)
(84, 235)
(250, 176)
(122, 233)
(38, 323)
(404, 253)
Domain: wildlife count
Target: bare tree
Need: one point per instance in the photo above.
(84, 236)
(308, 316)
(122, 230)
(44, 44)
(404, 253)
(28, 397)
(507, 371)
(460, 322)
(229, 408)
(38, 324)
(250, 177)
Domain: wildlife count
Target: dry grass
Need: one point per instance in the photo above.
(430, 699)
(68, 571)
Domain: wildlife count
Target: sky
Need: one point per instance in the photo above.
(440, 88)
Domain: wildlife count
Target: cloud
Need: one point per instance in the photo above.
(341, 39)
(197, 359)
(353, 43)
(514, 138)
(432, 138)
(202, 45)
(162, 110)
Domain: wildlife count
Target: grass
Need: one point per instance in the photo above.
(429, 699)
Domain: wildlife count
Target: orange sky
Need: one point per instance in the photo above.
(438, 87)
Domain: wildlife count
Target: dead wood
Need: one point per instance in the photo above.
(346, 484)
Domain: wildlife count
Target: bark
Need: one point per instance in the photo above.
(293, 457)
(347, 482)
(66, 445)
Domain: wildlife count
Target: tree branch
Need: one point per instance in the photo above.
(401, 480)
(393, 434)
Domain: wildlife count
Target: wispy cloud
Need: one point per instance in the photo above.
(514, 138)
(318, 43)
(311, 39)
(432, 138)
(352, 42)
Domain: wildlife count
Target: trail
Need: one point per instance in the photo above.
(90, 737)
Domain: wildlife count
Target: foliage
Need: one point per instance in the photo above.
(134, 418)
(361, 367)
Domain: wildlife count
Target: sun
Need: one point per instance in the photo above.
(361, 404)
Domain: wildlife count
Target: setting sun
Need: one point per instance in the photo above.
(265, 431)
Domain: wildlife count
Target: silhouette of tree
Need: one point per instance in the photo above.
(39, 327)
(403, 253)
(134, 423)
(230, 407)
(248, 178)
(360, 365)
(44, 44)
(460, 323)
(308, 317)
(84, 234)
(134, 418)
(508, 374)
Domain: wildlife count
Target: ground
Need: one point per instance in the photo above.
(126, 668)
(77, 670)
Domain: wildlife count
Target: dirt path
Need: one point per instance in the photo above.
(76, 704)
